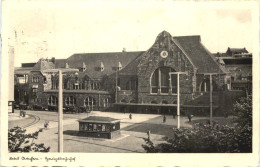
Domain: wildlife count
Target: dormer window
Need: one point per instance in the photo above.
(102, 68)
(119, 66)
(84, 67)
(67, 65)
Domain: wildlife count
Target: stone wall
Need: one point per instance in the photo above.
(152, 60)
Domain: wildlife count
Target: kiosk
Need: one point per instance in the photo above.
(99, 127)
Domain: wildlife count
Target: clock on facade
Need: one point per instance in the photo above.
(164, 54)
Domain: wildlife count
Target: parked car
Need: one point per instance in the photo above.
(16, 106)
(52, 108)
(83, 109)
(24, 106)
(70, 109)
(37, 107)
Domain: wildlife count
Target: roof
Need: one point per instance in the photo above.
(60, 63)
(22, 70)
(98, 119)
(43, 64)
(199, 56)
(28, 64)
(93, 62)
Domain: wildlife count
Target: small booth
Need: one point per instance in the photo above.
(99, 127)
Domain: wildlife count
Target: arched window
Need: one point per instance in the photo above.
(90, 102)
(70, 101)
(107, 102)
(161, 81)
(53, 101)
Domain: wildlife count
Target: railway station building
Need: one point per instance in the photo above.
(141, 81)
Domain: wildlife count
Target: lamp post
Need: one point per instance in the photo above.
(60, 131)
(210, 94)
(60, 106)
(178, 94)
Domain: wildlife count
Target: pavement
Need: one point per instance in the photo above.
(133, 131)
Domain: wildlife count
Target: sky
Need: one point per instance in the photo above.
(61, 28)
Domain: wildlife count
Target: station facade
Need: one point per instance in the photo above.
(144, 81)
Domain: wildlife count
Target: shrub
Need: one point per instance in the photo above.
(18, 141)
(207, 138)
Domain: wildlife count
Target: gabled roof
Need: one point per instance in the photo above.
(199, 56)
(93, 62)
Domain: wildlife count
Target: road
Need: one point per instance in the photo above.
(133, 131)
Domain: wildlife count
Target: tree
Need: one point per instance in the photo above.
(18, 141)
(209, 138)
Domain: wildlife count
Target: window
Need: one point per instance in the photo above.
(161, 82)
(35, 79)
(53, 101)
(94, 127)
(86, 127)
(103, 128)
(90, 126)
(90, 102)
(106, 102)
(35, 90)
(70, 101)
(99, 127)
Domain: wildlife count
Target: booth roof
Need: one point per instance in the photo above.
(99, 119)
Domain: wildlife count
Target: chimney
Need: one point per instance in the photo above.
(53, 60)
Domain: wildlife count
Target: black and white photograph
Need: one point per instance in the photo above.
(175, 78)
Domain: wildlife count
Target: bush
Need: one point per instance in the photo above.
(18, 141)
(207, 138)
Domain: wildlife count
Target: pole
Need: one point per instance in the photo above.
(210, 99)
(60, 137)
(178, 100)
(116, 87)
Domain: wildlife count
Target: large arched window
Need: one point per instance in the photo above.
(161, 81)
(53, 101)
(70, 101)
(90, 102)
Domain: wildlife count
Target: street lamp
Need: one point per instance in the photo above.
(210, 94)
(178, 94)
(60, 107)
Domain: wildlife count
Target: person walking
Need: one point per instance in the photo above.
(164, 119)
(189, 117)
(130, 116)
(148, 135)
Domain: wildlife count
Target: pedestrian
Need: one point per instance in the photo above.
(46, 124)
(148, 135)
(21, 113)
(174, 115)
(130, 116)
(164, 119)
(189, 117)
